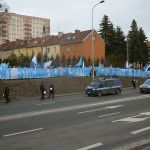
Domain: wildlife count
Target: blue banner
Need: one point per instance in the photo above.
(28, 73)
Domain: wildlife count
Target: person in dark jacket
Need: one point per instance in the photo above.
(134, 83)
(91, 72)
(51, 90)
(6, 94)
(43, 91)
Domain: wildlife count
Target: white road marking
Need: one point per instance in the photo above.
(141, 130)
(91, 146)
(131, 119)
(17, 133)
(113, 107)
(93, 110)
(109, 114)
(145, 113)
(64, 109)
(45, 103)
(136, 118)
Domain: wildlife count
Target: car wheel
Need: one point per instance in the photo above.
(88, 95)
(141, 92)
(118, 91)
(99, 94)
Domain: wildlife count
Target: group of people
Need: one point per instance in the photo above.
(43, 91)
(51, 90)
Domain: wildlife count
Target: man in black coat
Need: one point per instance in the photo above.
(43, 91)
(134, 83)
(51, 90)
(6, 94)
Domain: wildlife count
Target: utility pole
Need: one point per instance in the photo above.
(44, 31)
(93, 65)
(127, 52)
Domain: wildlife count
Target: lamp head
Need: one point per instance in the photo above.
(102, 1)
(6, 10)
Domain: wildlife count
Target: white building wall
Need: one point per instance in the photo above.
(16, 26)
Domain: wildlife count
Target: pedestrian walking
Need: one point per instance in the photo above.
(91, 72)
(134, 81)
(6, 94)
(43, 91)
(51, 90)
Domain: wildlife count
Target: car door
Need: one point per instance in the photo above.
(104, 86)
(109, 84)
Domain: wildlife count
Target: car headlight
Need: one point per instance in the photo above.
(93, 89)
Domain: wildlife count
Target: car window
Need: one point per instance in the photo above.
(116, 82)
(103, 84)
(147, 82)
(95, 83)
(109, 83)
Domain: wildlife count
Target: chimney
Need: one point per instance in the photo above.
(7, 41)
(77, 33)
(60, 34)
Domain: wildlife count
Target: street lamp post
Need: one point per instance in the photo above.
(93, 66)
(127, 52)
(44, 31)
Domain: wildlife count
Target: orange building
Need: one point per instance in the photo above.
(77, 44)
(80, 44)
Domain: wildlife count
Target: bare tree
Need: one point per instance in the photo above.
(4, 8)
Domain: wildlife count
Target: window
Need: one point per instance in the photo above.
(109, 83)
(94, 38)
(68, 49)
(55, 49)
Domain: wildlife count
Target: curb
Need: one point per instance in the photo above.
(59, 95)
(134, 145)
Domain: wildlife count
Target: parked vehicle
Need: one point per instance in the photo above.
(145, 87)
(101, 86)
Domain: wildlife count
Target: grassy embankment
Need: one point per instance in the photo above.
(29, 88)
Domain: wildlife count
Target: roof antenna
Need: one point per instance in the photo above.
(58, 28)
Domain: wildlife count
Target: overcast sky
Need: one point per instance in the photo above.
(68, 15)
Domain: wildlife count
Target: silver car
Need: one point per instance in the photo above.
(145, 87)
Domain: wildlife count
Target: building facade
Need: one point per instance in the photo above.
(79, 44)
(69, 45)
(24, 27)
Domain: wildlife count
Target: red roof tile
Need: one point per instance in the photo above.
(67, 38)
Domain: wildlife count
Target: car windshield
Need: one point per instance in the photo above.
(95, 83)
(147, 82)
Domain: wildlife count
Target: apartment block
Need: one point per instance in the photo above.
(24, 27)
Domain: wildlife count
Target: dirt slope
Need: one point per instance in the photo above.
(29, 88)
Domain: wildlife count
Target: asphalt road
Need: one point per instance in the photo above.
(76, 122)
